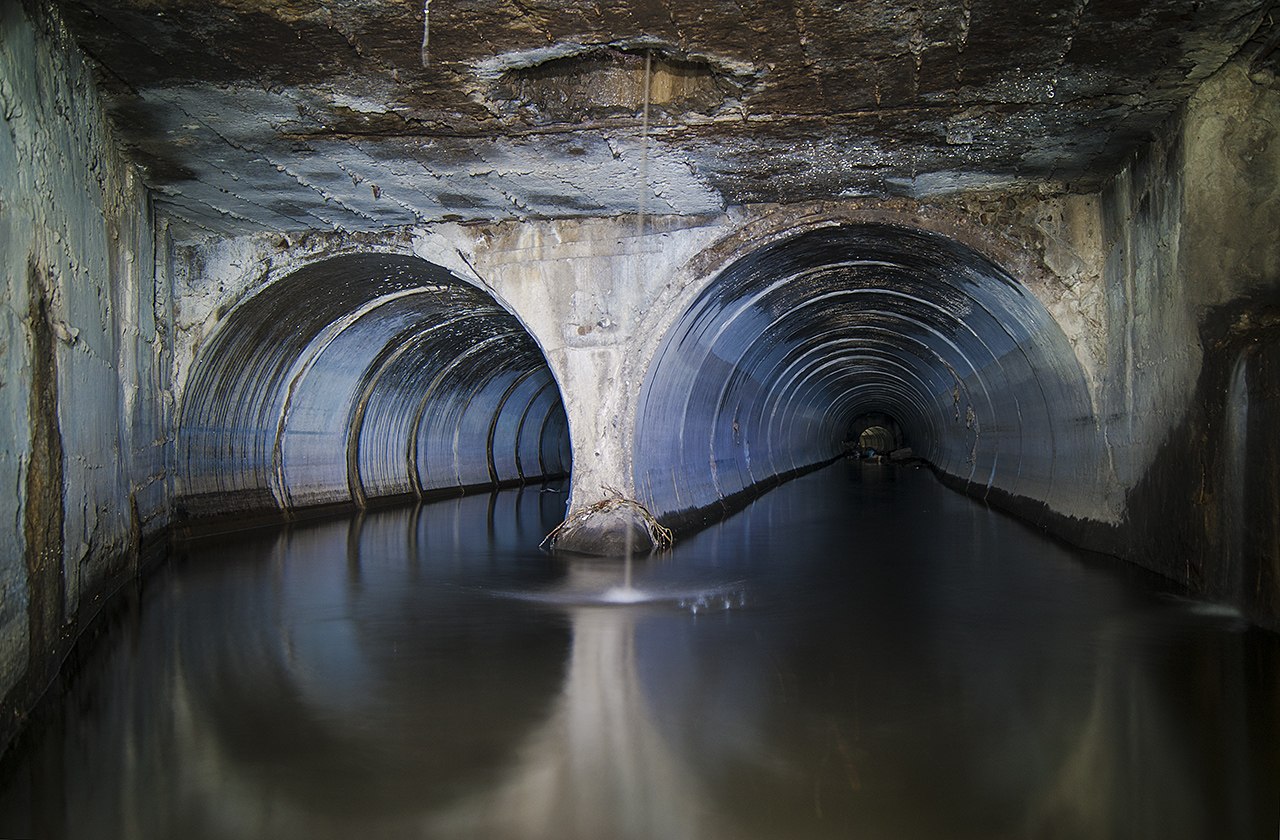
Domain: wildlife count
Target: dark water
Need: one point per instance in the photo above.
(861, 653)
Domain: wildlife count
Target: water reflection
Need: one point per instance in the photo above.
(599, 766)
(859, 653)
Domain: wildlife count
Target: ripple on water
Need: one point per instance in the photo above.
(722, 598)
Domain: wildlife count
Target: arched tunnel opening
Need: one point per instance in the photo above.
(875, 431)
(825, 337)
(365, 377)
(877, 439)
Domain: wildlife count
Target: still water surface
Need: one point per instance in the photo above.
(861, 653)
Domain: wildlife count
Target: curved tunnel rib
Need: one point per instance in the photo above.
(776, 365)
(363, 377)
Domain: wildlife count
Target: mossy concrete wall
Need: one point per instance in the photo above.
(83, 357)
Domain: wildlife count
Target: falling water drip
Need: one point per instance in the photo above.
(644, 156)
(630, 545)
(426, 33)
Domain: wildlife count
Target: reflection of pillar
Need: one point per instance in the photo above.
(599, 767)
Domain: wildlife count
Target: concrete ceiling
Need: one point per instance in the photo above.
(282, 115)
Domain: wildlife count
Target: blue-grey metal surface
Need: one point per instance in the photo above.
(770, 369)
(360, 377)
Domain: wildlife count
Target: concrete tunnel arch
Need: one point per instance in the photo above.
(781, 355)
(363, 377)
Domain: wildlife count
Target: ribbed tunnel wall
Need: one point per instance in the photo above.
(362, 377)
(795, 349)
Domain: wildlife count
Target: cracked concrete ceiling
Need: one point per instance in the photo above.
(254, 115)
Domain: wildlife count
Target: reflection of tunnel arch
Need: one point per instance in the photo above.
(361, 377)
(770, 368)
(380, 711)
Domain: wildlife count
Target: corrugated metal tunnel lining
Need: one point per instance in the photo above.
(796, 349)
(361, 377)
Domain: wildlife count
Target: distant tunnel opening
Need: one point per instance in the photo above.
(878, 439)
(365, 377)
(814, 342)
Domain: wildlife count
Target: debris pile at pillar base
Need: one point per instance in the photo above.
(612, 527)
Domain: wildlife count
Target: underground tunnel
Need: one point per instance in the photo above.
(770, 369)
(355, 355)
(365, 378)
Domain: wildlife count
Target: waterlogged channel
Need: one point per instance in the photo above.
(860, 653)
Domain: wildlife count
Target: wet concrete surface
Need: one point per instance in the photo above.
(860, 652)
(273, 116)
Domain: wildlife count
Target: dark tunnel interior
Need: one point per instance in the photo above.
(365, 377)
(803, 346)
(882, 437)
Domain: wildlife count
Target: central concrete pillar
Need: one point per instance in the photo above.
(585, 290)
(602, 517)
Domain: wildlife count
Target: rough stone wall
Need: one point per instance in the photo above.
(83, 357)
(1188, 385)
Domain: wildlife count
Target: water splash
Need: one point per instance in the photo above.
(601, 583)
(696, 600)
(624, 595)
(714, 602)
